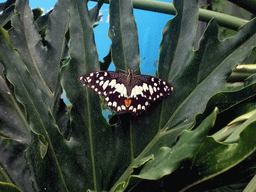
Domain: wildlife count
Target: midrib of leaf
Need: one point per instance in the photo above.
(91, 141)
(38, 71)
(4, 176)
(131, 144)
(88, 112)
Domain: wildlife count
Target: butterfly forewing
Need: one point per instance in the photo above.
(126, 93)
(98, 81)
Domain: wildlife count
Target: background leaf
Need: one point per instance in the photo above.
(209, 68)
(124, 36)
(168, 159)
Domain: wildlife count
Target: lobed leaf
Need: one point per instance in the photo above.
(124, 36)
(168, 159)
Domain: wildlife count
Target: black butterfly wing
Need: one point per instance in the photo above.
(147, 89)
(109, 85)
(154, 88)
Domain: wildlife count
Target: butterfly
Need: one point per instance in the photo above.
(127, 92)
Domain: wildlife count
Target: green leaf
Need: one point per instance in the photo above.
(94, 12)
(204, 71)
(43, 65)
(13, 122)
(214, 157)
(9, 187)
(124, 36)
(38, 114)
(14, 172)
(168, 159)
(8, 12)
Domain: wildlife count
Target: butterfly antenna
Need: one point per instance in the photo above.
(136, 69)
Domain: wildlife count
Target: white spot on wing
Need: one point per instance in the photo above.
(105, 85)
(145, 87)
(112, 83)
(120, 88)
(101, 83)
(137, 90)
(151, 90)
(114, 104)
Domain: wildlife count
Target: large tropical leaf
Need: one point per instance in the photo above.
(29, 111)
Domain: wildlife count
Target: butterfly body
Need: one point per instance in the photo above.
(126, 92)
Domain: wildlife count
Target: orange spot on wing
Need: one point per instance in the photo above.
(127, 102)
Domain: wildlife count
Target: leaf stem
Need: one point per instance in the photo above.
(131, 144)
(222, 19)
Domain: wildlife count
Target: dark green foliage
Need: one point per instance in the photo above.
(45, 146)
